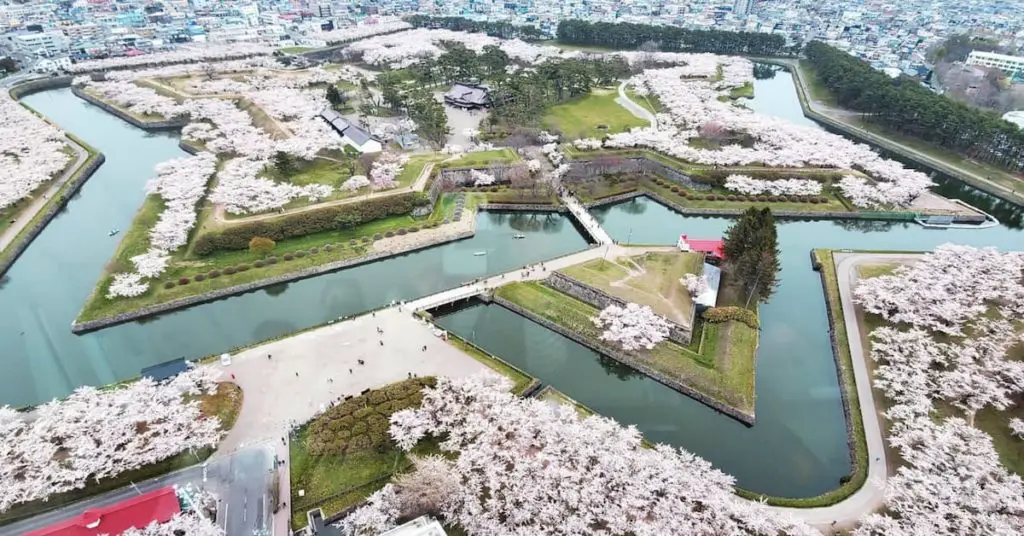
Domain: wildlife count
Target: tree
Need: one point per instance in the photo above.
(8, 65)
(752, 253)
(261, 245)
(284, 163)
(633, 326)
(335, 96)
(524, 466)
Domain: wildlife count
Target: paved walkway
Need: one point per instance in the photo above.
(588, 221)
(871, 496)
(634, 108)
(25, 215)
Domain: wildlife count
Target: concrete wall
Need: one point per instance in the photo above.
(166, 124)
(601, 299)
(582, 168)
(463, 176)
(629, 361)
(35, 86)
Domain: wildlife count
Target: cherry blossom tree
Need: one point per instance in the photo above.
(386, 170)
(31, 151)
(480, 178)
(355, 182)
(524, 466)
(98, 433)
(187, 523)
(633, 327)
(749, 186)
(587, 144)
(194, 55)
(695, 284)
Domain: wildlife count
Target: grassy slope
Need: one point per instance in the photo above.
(709, 364)
(580, 117)
(658, 287)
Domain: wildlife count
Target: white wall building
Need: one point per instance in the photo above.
(1011, 65)
(1015, 117)
(49, 43)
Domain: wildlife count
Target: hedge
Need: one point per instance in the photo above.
(309, 222)
(362, 422)
(716, 315)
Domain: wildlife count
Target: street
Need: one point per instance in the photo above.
(241, 482)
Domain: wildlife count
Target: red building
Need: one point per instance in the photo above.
(160, 506)
(714, 250)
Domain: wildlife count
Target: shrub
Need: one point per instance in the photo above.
(242, 267)
(288, 256)
(261, 245)
(731, 198)
(183, 281)
(300, 254)
(352, 242)
(200, 277)
(717, 315)
(377, 236)
(402, 231)
(258, 264)
(272, 260)
(389, 234)
(169, 284)
(329, 247)
(414, 229)
(237, 237)
(229, 270)
(674, 189)
(314, 250)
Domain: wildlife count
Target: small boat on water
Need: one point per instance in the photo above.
(113, 232)
(479, 253)
(518, 236)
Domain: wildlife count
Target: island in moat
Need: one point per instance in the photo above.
(382, 149)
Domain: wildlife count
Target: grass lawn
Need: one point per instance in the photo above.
(581, 117)
(818, 90)
(650, 102)
(345, 244)
(650, 279)
(662, 189)
(520, 379)
(484, 158)
(581, 48)
(315, 171)
(295, 50)
(224, 404)
(745, 91)
(719, 362)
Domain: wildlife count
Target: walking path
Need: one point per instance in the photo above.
(24, 216)
(417, 186)
(585, 219)
(871, 496)
(843, 116)
(634, 108)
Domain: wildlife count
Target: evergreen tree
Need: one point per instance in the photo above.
(335, 97)
(284, 163)
(752, 254)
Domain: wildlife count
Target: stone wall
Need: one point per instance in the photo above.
(601, 299)
(93, 325)
(841, 372)
(523, 207)
(789, 214)
(15, 249)
(35, 86)
(634, 165)
(166, 124)
(625, 359)
(464, 176)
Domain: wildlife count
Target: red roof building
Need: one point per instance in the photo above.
(160, 506)
(714, 249)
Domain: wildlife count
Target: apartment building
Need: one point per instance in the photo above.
(1011, 65)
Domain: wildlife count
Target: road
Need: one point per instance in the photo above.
(871, 496)
(38, 204)
(634, 108)
(842, 116)
(241, 482)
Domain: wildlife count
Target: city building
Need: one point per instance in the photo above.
(421, 526)
(48, 43)
(714, 250)
(469, 96)
(1013, 66)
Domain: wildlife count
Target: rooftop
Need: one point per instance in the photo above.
(160, 506)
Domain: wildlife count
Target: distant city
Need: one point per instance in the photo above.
(46, 35)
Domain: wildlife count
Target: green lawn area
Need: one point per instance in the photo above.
(581, 48)
(484, 158)
(520, 379)
(295, 50)
(581, 117)
(344, 244)
(650, 102)
(745, 91)
(316, 171)
(650, 279)
(719, 362)
(662, 189)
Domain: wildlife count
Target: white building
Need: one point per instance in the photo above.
(1011, 65)
(421, 526)
(49, 43)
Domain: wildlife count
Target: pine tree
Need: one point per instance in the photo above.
(752, 254)
(335, 97)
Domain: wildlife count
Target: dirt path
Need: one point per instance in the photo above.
(25, 215)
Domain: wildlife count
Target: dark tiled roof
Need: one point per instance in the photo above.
(357, 134)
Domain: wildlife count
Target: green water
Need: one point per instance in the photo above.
(45, 289)
(798, 447)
